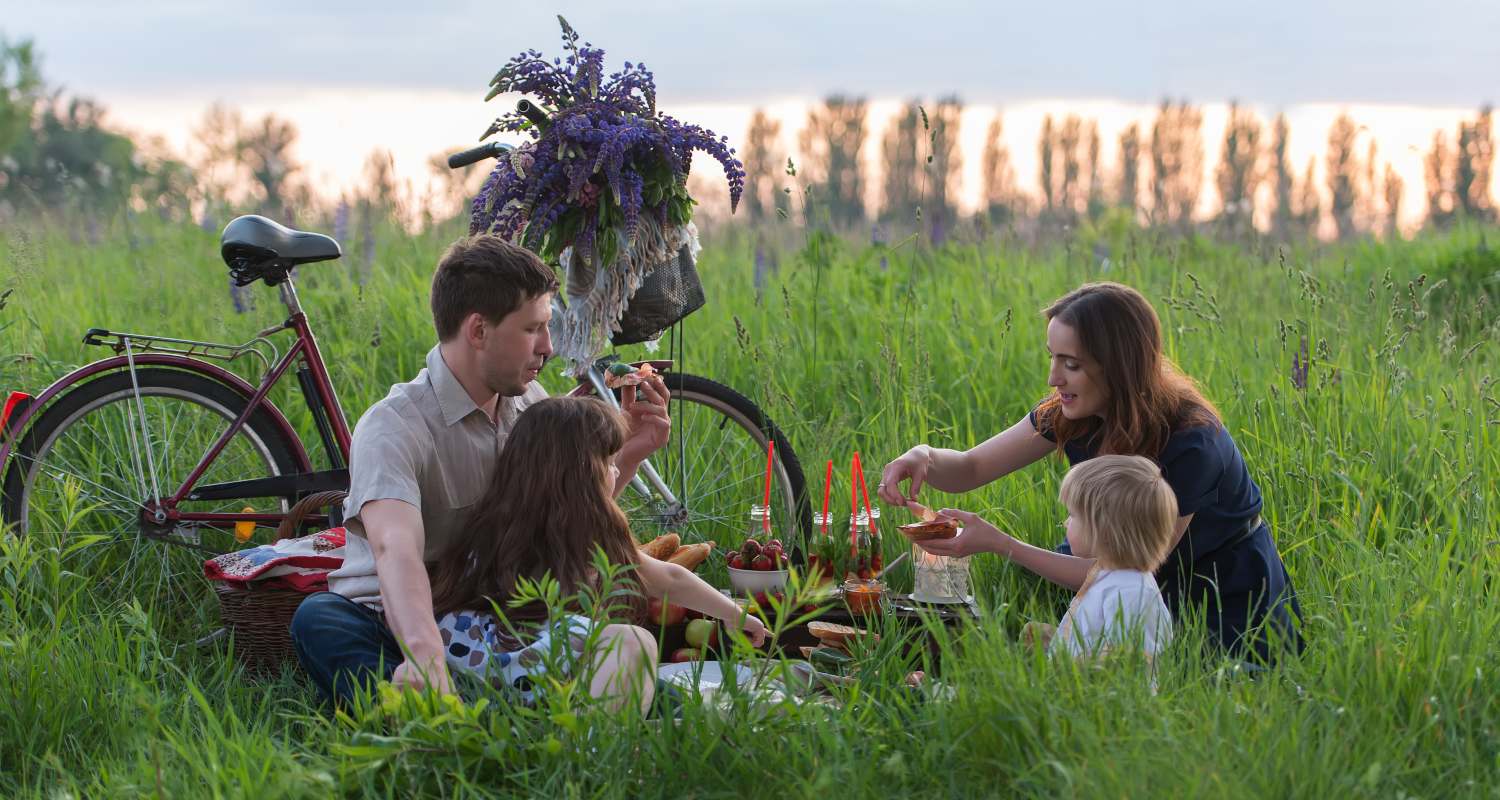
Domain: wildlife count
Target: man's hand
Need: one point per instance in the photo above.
(423, 673)
(650, 425)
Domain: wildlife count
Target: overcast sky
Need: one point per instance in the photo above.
(408, 78)
(1275, 52)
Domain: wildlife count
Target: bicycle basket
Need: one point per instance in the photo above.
(672, 291)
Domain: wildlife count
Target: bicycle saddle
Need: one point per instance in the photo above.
(255, 247)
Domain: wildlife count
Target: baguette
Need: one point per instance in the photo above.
(690, 556)
(662, 547)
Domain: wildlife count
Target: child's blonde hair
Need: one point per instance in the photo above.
(1128, 507)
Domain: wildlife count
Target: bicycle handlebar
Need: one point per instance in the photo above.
(480, 153)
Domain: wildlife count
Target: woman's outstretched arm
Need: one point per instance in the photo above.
(979, 536)
(962, 471)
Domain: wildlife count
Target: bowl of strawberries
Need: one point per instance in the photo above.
(756, 567)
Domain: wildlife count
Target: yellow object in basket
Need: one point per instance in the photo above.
(244, 529)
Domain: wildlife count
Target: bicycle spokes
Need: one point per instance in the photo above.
(86, 481)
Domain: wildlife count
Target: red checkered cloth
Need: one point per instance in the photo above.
(300, 564)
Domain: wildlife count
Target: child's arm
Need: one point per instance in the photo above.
(661, 579)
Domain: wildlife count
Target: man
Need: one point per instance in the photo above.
(425, 453)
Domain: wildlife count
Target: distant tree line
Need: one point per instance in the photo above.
(1156, 180)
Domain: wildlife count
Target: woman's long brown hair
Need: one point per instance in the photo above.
(1149, 398)
(549, 504)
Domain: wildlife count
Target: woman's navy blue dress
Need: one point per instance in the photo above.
(1226, 566)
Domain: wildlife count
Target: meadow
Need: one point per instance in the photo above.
(1359, 380)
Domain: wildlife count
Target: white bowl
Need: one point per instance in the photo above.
(750, 581)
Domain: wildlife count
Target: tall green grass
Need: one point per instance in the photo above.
(1381, 478)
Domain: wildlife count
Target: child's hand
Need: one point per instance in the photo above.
(977, 536)
(751, 626)
(1037, 634)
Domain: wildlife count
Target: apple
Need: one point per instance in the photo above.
(682, 655)
(701, 633)
(664, 613)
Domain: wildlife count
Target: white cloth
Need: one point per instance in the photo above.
(1121, 609)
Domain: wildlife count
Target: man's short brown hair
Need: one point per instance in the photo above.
(488, 275)
(1129, 509)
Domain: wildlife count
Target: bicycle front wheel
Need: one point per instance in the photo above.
(81, 474)
(715, 468)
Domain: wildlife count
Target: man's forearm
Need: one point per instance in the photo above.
(406, 593)
(628, 465)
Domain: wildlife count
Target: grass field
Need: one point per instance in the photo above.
(1381, 477)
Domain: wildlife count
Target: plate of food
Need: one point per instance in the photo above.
(930, 525)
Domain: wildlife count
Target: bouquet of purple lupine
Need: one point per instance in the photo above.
(601, 157)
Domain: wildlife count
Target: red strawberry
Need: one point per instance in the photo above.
(750, 549)
(761, 563)
(776, 543)
(734, 561)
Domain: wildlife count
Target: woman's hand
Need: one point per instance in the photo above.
(976, 536)
(751, 626)
(912, 466)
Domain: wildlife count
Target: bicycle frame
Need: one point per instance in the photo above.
(322, 402)
(652, 480)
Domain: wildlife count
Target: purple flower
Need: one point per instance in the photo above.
(600, 133)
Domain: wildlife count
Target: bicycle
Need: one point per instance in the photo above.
(157, 445)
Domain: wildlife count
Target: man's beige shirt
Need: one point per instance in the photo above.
(426, 444)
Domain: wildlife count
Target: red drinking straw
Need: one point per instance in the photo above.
(770, 456)
(853, 502)
(827, 487)
(864, 490)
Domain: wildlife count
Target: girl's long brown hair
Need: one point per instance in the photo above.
(1148, 397)
(549, 504)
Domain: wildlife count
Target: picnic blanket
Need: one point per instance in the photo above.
(301, 564)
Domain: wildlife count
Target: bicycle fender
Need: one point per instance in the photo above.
(17, 425)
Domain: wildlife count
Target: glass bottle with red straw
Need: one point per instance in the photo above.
(820, 557)
(864, 536)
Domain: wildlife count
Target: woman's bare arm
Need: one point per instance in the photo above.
(962, 471)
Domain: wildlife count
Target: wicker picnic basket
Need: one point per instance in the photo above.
(259, 620)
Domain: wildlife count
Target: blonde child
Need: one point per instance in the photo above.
(1120, 513)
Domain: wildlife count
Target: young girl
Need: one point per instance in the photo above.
(1120, 512)
(547, 510)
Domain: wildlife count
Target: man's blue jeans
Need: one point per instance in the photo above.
(343, 645)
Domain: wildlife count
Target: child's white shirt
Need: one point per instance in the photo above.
(1123, 608)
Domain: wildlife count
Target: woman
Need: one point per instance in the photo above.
(1117, 393)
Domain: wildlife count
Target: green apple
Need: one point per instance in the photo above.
(700, 632)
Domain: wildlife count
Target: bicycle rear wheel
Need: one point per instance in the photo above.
(715, 466)
(81, 474)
